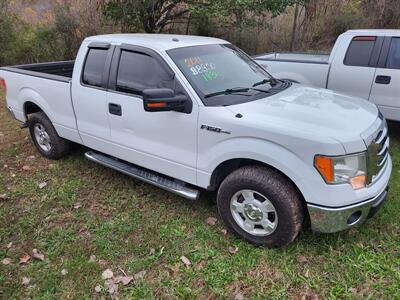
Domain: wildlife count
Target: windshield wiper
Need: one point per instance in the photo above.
(234, 90)
(272, 81)
(227, 92)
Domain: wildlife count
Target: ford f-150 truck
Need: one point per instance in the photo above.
(190, 113)
(363, 63)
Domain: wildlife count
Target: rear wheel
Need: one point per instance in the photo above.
(261, 206)
(45, 137)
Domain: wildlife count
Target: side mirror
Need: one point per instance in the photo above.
(163, 99)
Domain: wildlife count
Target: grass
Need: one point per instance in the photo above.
(130, 226)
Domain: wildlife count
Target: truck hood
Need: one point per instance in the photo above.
(315, 111)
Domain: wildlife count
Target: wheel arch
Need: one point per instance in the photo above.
(30, 107)
(227, 167)
(31, 102)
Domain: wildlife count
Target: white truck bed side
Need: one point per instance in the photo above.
(52, 96)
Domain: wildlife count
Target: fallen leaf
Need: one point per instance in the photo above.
(185, 261)
(24, 259)
(42, 185)
(141, 274)
(233, 250)
(239, 296)
(102, 262)
(211, 221)
(98, 288)
(152, 251)
(124, 279)
(37, 255)
(3, 197)
(111, 286)
(77, 205)
(26, 168)
(107, 274)
(224, 231)
(92, 258)
(6, 261)
(64, 272)
(9, 245)
(307, 273)
(25, 281)
(301, 259)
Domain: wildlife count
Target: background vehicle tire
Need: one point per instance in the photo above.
(261, 206)
(45, 137)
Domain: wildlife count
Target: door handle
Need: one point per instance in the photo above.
(115, 109)
(381, 79)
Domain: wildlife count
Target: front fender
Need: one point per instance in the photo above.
(260, 150)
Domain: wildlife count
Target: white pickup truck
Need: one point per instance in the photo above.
(363, 63)
(189, 113)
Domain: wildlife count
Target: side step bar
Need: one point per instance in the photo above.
(175, 186)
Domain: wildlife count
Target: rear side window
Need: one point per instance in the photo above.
(94, 67)
(360, 51)
(393, 60)
(139, 71)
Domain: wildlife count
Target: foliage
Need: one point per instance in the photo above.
(155, 15)
(147, 15)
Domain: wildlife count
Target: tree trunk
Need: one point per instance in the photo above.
(293, 38)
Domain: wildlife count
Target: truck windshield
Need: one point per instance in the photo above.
(222, 74)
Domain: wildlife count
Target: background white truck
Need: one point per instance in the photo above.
(188, 113)
(363, 63)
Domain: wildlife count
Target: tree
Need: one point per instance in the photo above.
(238, 14)
(148, 15)
(155, 15)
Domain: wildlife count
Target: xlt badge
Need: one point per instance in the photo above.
(214, 129)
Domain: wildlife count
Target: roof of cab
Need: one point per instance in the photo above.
(373, 31)
(161, 42)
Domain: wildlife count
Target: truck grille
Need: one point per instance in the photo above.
(378, 153)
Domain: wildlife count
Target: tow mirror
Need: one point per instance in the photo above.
(163, 99)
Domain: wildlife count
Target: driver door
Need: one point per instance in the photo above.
(165, 142)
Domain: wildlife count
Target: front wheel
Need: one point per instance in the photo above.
(261, 206)
(45, 137)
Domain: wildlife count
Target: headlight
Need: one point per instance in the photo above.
(350, 169)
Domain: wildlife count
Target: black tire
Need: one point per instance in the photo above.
(59, 146)
(277, 189)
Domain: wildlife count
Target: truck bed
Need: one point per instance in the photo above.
(317, 58)
(59, 70)
(46, 85)
(308, 69)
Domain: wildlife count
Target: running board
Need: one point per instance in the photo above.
(175, 186)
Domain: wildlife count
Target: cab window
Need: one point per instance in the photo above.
(360, 51)
(94, 67)
(393, 60)
(138, 71)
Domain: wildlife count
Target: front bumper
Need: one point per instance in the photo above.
(329, 220)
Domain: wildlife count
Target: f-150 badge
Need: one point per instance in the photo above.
(214, 129)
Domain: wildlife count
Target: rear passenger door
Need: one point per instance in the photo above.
(386, 85)
(89, 92)
(353, 67)
(161, 141)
